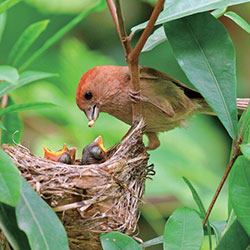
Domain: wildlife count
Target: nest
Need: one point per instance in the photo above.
(91, 199)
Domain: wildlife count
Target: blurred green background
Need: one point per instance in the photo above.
(199, 152)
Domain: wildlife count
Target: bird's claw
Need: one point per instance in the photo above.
(134, 96)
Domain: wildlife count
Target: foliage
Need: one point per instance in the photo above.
(186, 39)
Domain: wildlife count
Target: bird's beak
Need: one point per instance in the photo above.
(92, 114)
(52, 155)
(99, 142)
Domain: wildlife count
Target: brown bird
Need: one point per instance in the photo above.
(166, 102)
(65, 155)
(94, 153)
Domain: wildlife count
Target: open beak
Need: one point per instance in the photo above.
(99, 142)
(92, 114)
(52, 155)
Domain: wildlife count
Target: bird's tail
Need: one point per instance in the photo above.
(242, 104)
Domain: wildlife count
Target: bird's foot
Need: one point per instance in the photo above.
(153, 141)
(134, 96)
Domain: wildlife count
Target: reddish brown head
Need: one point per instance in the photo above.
(97, 88)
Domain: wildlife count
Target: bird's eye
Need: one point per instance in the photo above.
(88, 95)
(97, 153)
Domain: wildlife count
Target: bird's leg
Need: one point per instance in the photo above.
(153, 141)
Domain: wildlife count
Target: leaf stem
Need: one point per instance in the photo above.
(236, 153)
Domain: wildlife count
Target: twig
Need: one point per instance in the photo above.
(132, 56)
(235, 155)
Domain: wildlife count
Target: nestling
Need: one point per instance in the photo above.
(166, 102)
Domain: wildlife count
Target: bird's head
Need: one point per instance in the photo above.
(97, 88)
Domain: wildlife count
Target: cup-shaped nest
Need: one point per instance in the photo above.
(91, 199)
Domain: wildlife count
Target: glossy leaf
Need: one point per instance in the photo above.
(3, 18)
(26, 40)
(60, 34)
(238, 20)
(239, 191)
(8, 225)
(208, 65)
(41, 225)
(181, 9)
(218, 227)
(8, 4)
(118, 241)
(10, 180)
(234, 238)
(245, 149)
(155, 39)
(25, 78)
(183, 230)
(201, 207)
(8, 74)
(26, 106)
(14, 127)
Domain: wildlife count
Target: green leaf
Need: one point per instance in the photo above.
(245, 149)
(2, 126)
(118, 241)
(244, 125)
(26, 106)
(10, 180)
(3, 18)
(155, 39)
(8, 225)
(41, 225)
(183, 230)
(8, 4)
(60, 34)
(218, 227)
(208, 65)
(14, 127)
(238, 20)
(25, 78)
(63, 6)
(201, 207)
(219, 12)
(234, 238)
(154, 241)
(239, 191)
(26, 40)
(181, 9)
(8, 74)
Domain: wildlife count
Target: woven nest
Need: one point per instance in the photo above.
(91, 199)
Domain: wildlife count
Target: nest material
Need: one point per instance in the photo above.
(91, 199)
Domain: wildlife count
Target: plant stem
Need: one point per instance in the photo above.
(235, 155)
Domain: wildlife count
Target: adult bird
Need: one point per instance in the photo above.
(166, 102)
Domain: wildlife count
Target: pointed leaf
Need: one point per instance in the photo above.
(154, 241)
(238, 20)
(245, 149)
(183, 230)
(244, 125)
(8, 74)
(118, 241)
(181, 9)
(26, 40)
(239, 191)
(219, 12)
(8, 225)
(41, 225)
(234, 238)
(10, 180)
(155, 39)
(25, 78)
(14, 127)
(209, 65)
(8, 4)
(60, 34)
(26, 106)
(3, 18)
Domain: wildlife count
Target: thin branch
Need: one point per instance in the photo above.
(112, 10)
(235, 155)
(146, 33)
